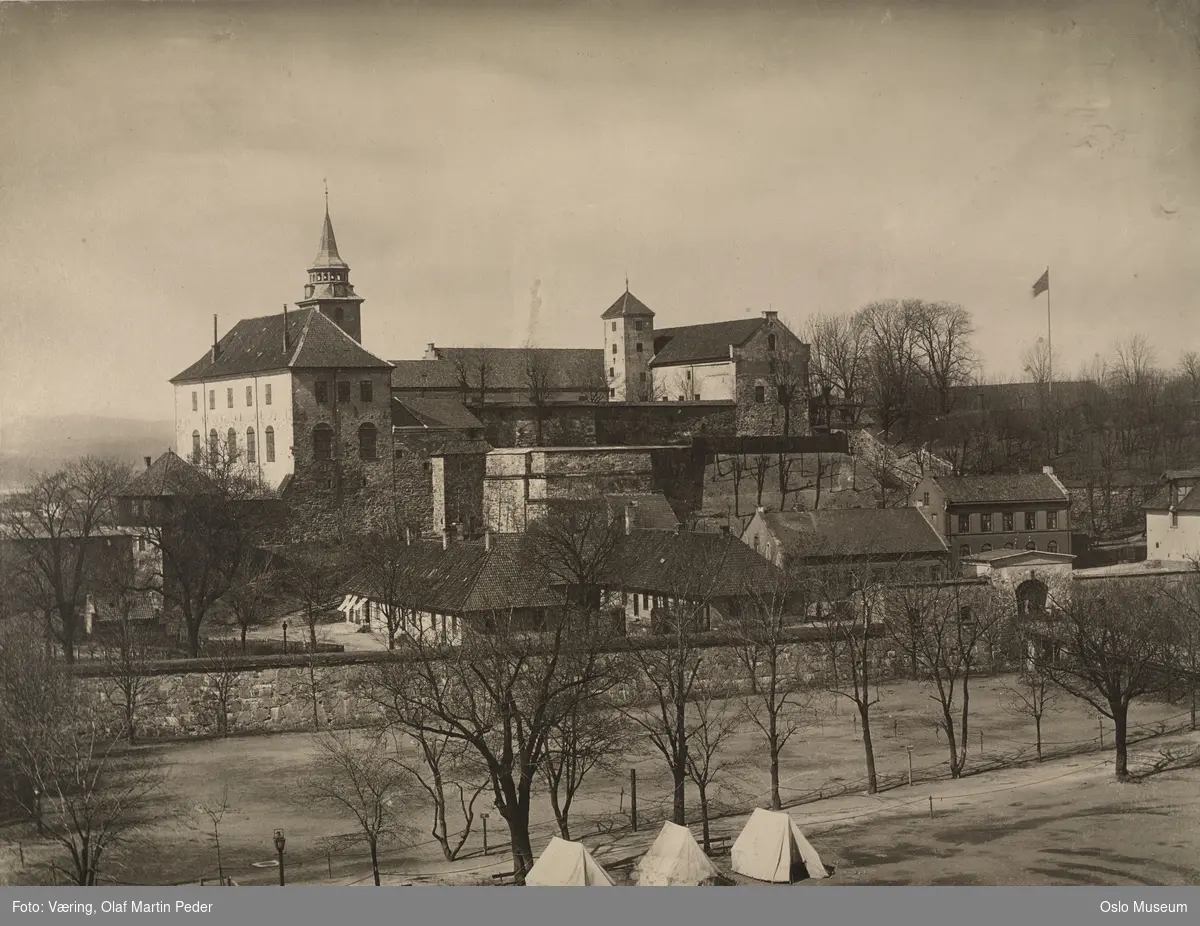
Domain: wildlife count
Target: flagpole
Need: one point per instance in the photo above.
(1049, 338)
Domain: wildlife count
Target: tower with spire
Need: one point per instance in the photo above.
(628, 347)
(328, 289)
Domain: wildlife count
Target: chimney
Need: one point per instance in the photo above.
(771, 316)
(147, 459)
(216, 350)
(487, 540)
(286, 345)
(445, 538)
(630, 517)
(431, 351)
(1048, 470)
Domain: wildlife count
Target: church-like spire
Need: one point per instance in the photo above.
(328, 257)
(329, 289)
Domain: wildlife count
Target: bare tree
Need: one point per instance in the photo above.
(1108, 645)
(838, 360)
(713, 721)
(587, 738)
(787, 375)
(214, 814)
(537, 384)
(474, 370)
(127, 644)
(943, 348)
(221, 678)
(573, 544)
(58, 526)
(735, 469)
(1031, 694)
(890, 328)
(354, 773)
(942, 624)
(253, 594)
(760, 470)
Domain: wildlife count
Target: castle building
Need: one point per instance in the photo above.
(628, 347)
(295, 395)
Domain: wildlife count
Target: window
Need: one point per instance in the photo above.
(1051, 520)
(249, 396)
(760, 394)
(195, 401)
(614, 348)
(1008, 520)
(985, 522)
(770, 342)
(642, 376)
(343, 392)
(1030, 520)
(321, 389)
(398, 453)
(212, 398)
(322, 442)
(639, 347)
(270, 436)
(637, 325)
(1010, 546)
(756, 544)
(925, 500)
(645, 601)
(986, 548)
(195, 446)
(1052, 546)
(366, 392)
(141, 544)
(229, 397)
(267, 394)
(1032, 545)
(964, 550)
(231, 442)
(612, 393)
(251, 449)
(214, 446)
(964, 616)
(635, 604)
(964, 524)
(1174, 518)
(696, 398)
(614, 324)
(612, 372)
(366, 441)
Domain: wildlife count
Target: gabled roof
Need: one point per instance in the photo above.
(652, 511)
(699, 343)
(695, 565)
(169, 475)
(1001, 556)
(627, 305)
(1030, 487)
(1180, 474)
(884, 532)
(565, 368)
(255, 345)
(1162, 501)
(424, 374)
(432, 414)
(467, 576)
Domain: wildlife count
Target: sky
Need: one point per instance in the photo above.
(160, 164)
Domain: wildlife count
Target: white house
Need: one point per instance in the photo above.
(1173, 518)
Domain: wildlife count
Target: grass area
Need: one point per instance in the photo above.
(1041, 829)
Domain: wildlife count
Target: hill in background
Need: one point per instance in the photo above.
(30, 445)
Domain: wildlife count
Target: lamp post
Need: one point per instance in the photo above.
(280, 842)
(285, 638)
(37, 809)
(910, 766)
(484, 817)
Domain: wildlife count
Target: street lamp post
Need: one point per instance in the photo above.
(280, 842)
(285, 638)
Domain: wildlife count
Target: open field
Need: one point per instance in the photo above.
(1057, 822)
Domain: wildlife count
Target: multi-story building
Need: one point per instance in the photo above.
(1173, 518)
(293, 395)
(628, 347)
(978, 514)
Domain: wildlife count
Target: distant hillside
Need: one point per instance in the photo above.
(29, 445)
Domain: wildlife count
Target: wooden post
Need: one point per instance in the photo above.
(895, 724)
(981, 742)
(329, 862)
(633, 798)
(484, 817)
(21, 853)
(931, 807)
(910, 766)
(1100, 724)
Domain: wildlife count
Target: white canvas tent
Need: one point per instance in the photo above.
(772, 848)
(675, 859)
(564, 863)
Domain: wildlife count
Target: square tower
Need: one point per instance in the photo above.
(628, 347)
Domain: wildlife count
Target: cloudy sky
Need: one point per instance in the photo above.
(159, 164)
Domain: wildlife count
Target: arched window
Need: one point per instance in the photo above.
(1052, 546)
(986, 548)
(1032, 545)
(214, 446)
(270, 435)
(756, 543)
(196, 449)
(1010, 546)
(1031, 598)
(964, 550)
(251, 449)
(366, 441)
(231, 442)
(322, 442)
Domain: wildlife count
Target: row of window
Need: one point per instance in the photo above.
(1007, 521)
(1051, 547)
(366, 391)
(231, 445)
(637, 325)
(212, 397)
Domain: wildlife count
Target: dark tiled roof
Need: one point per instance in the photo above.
(698, 343)
(1162, 501)
(566, 368)
(627, 304)
(1033, 487)
(466, 576)
(1172, 474)
(653, 511)
(170, 474)
(688, 564)
(424, 374)
(435, 414)
(858, 531)
(255, 345)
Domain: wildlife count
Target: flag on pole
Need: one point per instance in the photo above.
(1042, 285)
